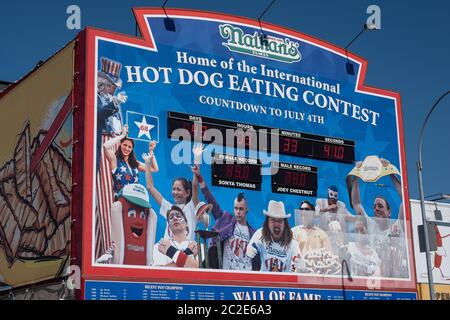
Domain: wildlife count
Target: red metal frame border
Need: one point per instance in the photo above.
(78, 192)
(208, 277)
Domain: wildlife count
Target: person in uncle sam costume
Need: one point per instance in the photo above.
(133, 227)
(109, 125)
(279, 251)
(109, 114)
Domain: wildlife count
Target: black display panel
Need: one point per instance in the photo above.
(289, 142)
(236, 172)
(293, 178)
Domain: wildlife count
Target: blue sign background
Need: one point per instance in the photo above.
(202, 39)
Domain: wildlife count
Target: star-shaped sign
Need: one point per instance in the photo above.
(144, 128)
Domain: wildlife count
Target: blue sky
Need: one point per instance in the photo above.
(410, 54)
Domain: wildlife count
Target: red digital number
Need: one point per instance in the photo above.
(339, 152)
(290, 145)
(294, 146)
(326, 150)
(230, 170)
(294, 179)
(286, 145)
(302, 180)
(299, 179)
(336, 152)
(198, 131)
(243, 140)
(245, 172)
(237, 171)
(287, 178)
(248, 141)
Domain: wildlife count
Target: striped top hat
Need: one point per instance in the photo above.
(203, 211)
(110, 70)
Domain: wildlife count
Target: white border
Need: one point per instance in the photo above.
(145, 115)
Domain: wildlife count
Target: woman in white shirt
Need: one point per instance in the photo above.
(182, 198)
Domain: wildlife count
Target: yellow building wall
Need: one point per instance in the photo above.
(35, 224)
(441, 291)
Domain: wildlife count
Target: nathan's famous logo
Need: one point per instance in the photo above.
(258, 45)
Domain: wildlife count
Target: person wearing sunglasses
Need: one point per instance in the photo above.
(309, 236)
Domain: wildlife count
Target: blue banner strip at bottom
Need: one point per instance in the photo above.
(108, 290)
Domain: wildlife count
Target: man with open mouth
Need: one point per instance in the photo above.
(278, 250)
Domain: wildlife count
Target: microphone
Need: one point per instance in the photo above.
(349, 276)
(347, 269)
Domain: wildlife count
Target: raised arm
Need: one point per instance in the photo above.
(197, 151)
(149, 180)
(394, 178)
(195, 198)
(397, 184)
(153, 162)
(209, 197)
(108, 147)
(398, 187)
(356, 197)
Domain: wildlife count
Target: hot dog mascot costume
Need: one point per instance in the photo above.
(133, 226)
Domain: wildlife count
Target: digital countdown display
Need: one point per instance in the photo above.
(290, 143)
(212, 129)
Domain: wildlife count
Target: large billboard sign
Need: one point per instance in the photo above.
(219, 154)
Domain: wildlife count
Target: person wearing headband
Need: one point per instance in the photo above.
(178, 250)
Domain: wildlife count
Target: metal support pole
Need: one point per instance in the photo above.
(422, 198)
(205, 243)
(425, 228)
(219, 250)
